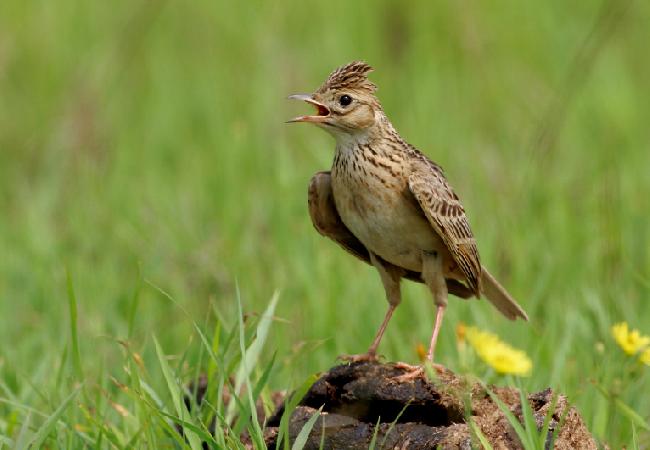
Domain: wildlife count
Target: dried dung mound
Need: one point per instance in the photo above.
(355, 397)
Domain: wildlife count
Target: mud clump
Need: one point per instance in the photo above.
(363, 400)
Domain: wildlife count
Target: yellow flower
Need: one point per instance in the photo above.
(502, 357)
(645, 357)
(632, 342)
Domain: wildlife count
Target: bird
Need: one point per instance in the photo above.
(389, 205)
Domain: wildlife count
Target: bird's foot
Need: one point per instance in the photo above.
(412, 372)
(365, 357)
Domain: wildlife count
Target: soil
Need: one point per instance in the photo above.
(362, 401)
(366, 399)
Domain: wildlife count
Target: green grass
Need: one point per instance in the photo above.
(145, 173)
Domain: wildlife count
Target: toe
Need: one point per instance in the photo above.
(411, 373)
(406, 366)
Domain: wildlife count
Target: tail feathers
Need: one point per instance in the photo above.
(500, 298)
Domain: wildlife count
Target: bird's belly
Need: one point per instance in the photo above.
(389, 226)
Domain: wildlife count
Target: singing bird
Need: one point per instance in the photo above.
(389, 205)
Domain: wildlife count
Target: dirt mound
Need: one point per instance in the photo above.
(357, 397)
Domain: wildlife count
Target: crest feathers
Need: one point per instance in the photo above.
(350, 76)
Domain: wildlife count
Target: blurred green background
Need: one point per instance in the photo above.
(143, 142)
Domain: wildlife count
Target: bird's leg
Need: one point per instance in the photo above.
(390, 278)
(434, 278)
(380, 333)
(440, 311)
(371, 354)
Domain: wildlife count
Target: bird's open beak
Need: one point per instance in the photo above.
(322, 111)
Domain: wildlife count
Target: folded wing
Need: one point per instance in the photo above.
(442, 208)
(327, 221)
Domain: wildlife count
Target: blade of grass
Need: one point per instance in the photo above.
(302, 437)
(251, 355)
(249, 359)
(556, 431)
(166, 424)
(44, 431)
(200, 431)
(135, 301)
(177, 399)
(104, 429)
(290, 405)
(544, 434)
(22, 407)
(210, 348)
(321, 444)
(261, 383)
(219, 427)
(134, 439)
(72, 304)
(527, 414)
(242, 421)
(479, 435)
(392, 424)
(632, 415)
(61, 370)
(23, 435)
(516, 425)
(373, 441)
(214, 362)
(221, 423)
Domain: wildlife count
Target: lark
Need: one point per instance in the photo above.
(389, 205)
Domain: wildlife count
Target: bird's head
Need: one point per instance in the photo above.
(346, 103)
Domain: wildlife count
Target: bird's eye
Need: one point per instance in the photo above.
(345, 100)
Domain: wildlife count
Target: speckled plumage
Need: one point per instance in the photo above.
(389, 205)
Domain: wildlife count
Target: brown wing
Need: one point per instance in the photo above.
(326, 219)
(447, 217)
(327, 222)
